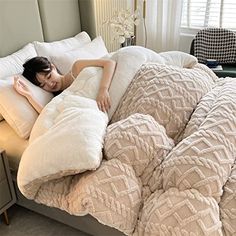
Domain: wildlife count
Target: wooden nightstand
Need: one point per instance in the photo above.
(7, 192)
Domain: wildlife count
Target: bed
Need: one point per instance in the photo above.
(161, 162)
(23, 22)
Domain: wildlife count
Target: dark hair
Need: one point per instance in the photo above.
(36, 65)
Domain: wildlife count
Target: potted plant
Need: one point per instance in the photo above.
(122, 25)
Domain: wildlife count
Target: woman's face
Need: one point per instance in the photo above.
(50, 81)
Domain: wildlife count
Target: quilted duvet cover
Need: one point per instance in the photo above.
(169, 158)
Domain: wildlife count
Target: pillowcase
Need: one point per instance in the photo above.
(59, 47)
(93, 50)
(13, 64)
(177, 58)
(16, 109)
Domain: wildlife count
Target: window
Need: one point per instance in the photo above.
(209, 13)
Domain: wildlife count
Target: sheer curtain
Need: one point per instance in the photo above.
(163, 20)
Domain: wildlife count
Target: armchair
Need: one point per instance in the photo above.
(218, 44)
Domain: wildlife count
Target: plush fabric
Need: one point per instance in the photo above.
(92, 50)
(67, 115)
(156, 179)
(58, 47)
(130, 59)
(70, 107)
(180, 59)
(111, 194)
(227, 204)
(199, 174)
(168, 93)
(75, 138)
(86, 85)
(140, 142)
(136, 141)
(16, 109)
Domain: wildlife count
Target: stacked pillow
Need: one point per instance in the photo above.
(12, 64)
(15, 108)
(93, 50)
(62, 46)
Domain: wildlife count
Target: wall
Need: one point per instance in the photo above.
(185, 42)
(186, 37)
(94, 13)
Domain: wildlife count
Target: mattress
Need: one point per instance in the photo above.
(12, 144)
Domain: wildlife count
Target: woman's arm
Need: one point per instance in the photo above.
(103, 99)
(23, 89)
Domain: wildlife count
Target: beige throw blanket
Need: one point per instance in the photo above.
(170, 158)
(68, 136)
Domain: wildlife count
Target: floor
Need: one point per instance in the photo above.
(24, 222)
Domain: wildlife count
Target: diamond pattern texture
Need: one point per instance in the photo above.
(169, 166)
(168, 93)
(112, 194)
(140, 142)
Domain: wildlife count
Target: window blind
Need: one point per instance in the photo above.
(209, 13)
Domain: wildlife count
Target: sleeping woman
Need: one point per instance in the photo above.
(41, 72)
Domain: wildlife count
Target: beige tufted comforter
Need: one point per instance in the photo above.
(169, 166)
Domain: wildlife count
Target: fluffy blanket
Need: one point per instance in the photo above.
(169, 166)
(68, 135)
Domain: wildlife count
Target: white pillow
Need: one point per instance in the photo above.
(93, 50)
(58, 47)
(16, 109)
(177, 58)
(13, 64)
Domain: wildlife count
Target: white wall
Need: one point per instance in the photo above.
(185, 42)
(186, 37)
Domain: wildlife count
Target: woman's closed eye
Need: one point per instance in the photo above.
(46, 78)
(42, 85)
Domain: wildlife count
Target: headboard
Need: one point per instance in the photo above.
(24, 21)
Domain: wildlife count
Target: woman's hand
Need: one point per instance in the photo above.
(21, 87)
(103, 100)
